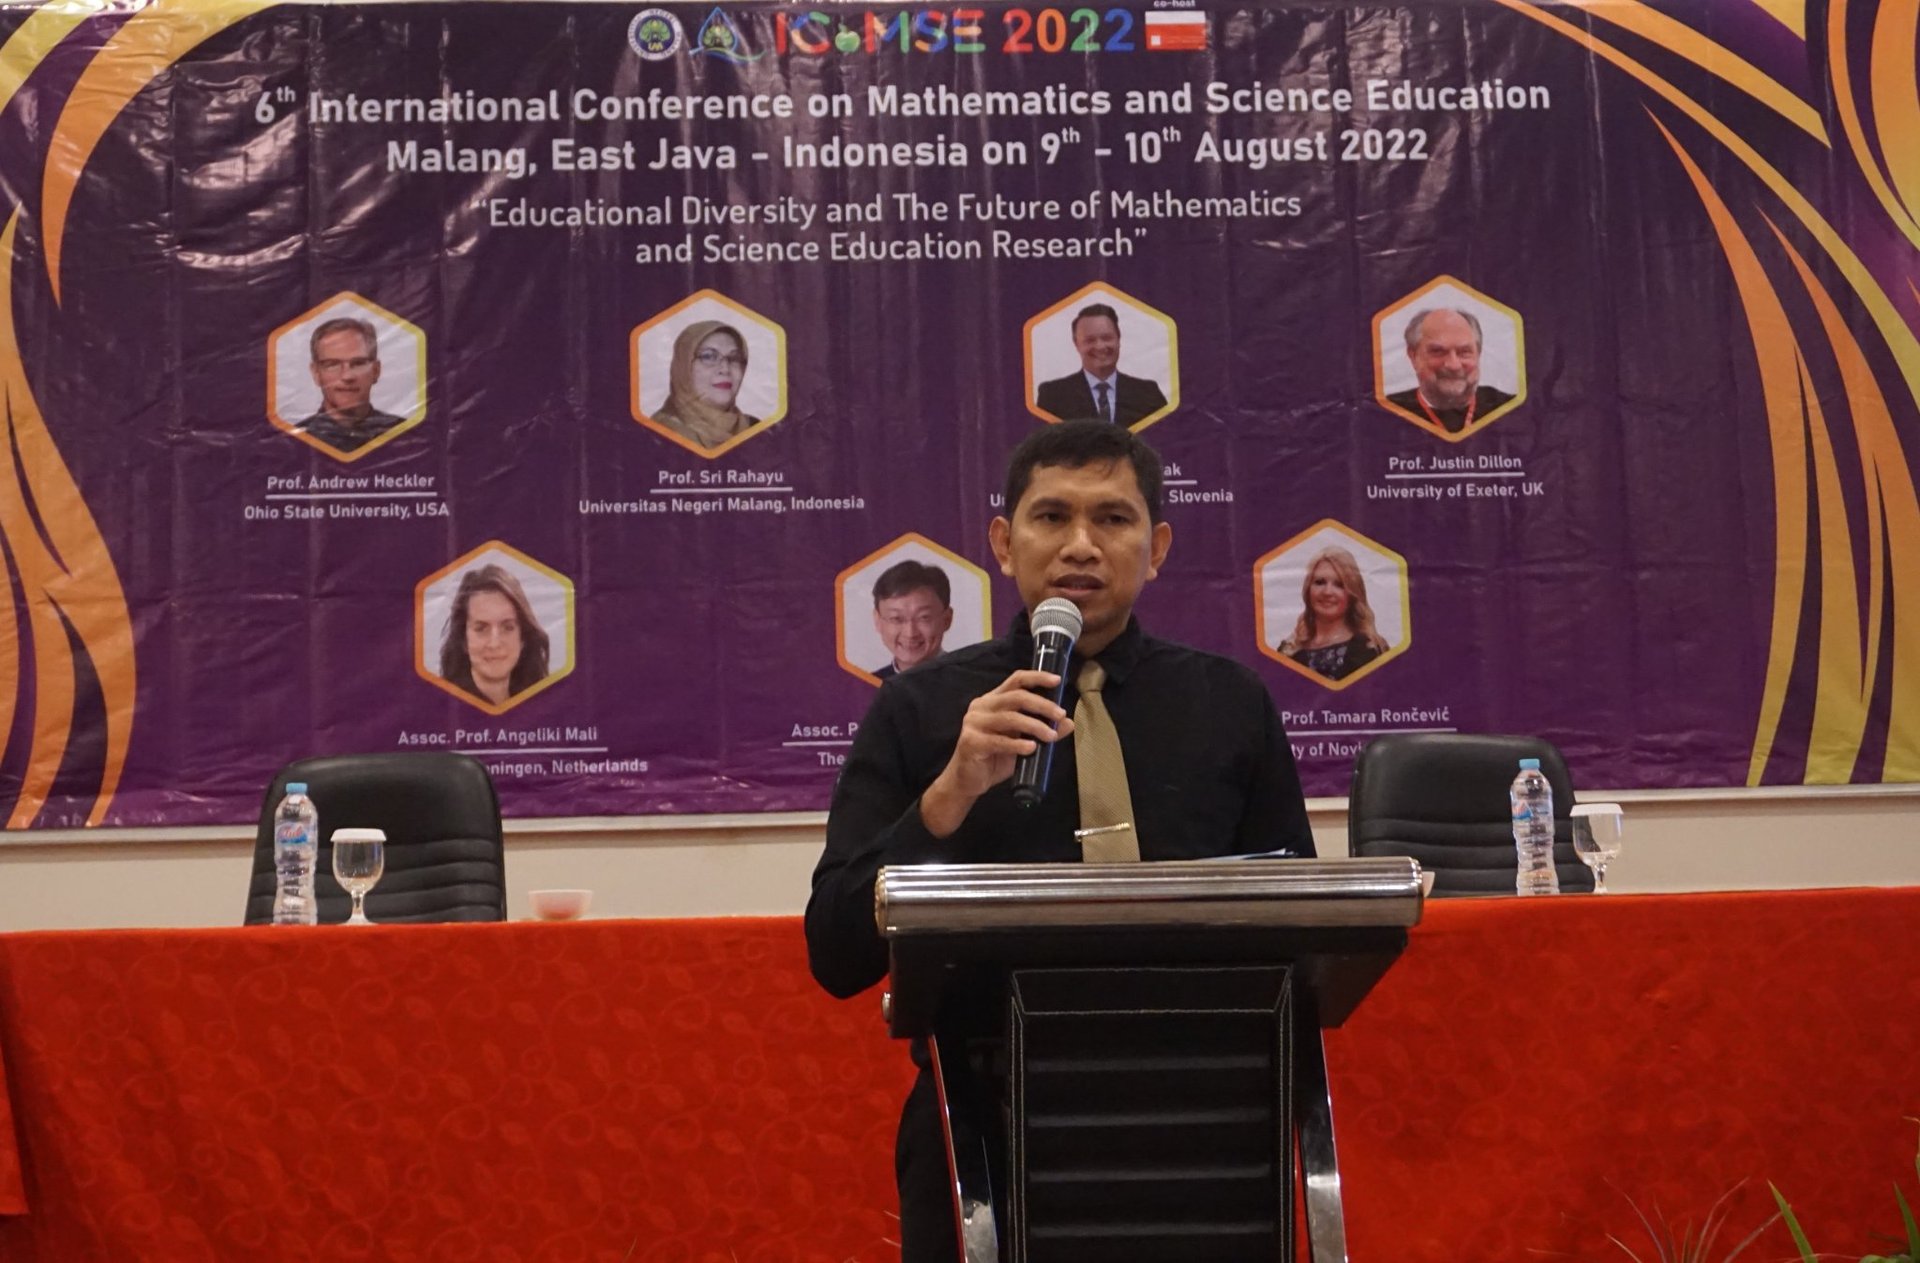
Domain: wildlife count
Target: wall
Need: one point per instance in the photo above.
(719, 866)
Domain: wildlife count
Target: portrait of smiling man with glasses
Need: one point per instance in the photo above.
(346, 364)
(912, 613)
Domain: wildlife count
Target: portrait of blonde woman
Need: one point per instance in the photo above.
(703, 391)
(1335, 634)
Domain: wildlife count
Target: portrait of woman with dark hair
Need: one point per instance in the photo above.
(1335, 635)
(702, 403)
(494, 646)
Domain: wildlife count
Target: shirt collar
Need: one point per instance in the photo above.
(1107, 381)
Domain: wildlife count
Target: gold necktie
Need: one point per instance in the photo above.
(1104, 799)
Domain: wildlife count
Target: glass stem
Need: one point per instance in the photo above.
(359, 905)
(1600, 878)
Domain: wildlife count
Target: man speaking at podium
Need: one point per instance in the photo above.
(1184, 746)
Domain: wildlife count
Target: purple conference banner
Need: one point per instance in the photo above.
(621, 393)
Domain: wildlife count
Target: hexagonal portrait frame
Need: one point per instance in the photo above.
(1148, 369)
(294, 398)
(760, 394)
(1280, 602)
(548, 596)
(857, 640)
(1502, 380)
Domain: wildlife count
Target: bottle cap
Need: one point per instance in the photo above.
(1529, 765)
(296, 787)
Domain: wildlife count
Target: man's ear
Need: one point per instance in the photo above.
(1000, 539)
(1157, 549)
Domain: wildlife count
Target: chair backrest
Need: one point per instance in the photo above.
(445, 857)
(1442, 799)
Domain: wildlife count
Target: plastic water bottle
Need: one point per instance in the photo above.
(296, 852)
(1532, 800)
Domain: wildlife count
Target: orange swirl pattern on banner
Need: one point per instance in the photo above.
(1677, 37)
(1897, 519)
(1896, 96)
(1889, 467)
(1840, 71)
(138, 52)
(1791, 14)
(67, 577)
(1768, 325)
(9, 649)
(39, 35)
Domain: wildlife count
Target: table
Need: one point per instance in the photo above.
(13, 1189)
(680, 1092)
(660, 1090)
(1531, 1065)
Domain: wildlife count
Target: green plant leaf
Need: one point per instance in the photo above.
(1793, 1225)
(1688, 1245)
(1750, 1238)
(1906, 1217)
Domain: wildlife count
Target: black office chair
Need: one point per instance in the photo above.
(1442, 799)
(445, 857)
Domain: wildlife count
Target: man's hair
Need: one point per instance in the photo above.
(341, 324)
(1093, 309)
(903, 577)
(1420, 318)
(1077, 444)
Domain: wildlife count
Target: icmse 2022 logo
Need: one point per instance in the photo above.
(1171, 27)
(816, 33)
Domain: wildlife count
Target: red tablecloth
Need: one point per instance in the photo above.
(1533, 1064)
(654, 1090)
(13, 1190)
(672, 1091)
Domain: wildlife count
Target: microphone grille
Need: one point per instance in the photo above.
(1056, 613)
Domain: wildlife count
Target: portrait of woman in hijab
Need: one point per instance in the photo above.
(702, 403)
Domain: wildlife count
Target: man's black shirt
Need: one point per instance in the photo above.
(1208, 768)
(1452, 420)
(348, 438)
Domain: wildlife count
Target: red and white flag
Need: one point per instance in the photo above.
(1176, 31)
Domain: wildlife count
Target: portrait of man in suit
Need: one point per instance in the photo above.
(1099, 389)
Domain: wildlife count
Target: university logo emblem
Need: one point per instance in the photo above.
(719, 37)
(655, 34)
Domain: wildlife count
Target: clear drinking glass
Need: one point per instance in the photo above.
(1596, 839)
(359, 858)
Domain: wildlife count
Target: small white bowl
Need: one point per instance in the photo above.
(559, 905)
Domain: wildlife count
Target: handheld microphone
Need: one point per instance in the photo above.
(1056, 625)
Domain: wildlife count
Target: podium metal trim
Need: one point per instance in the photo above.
(925, 899)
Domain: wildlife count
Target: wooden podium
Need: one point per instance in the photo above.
(1156, 1053)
